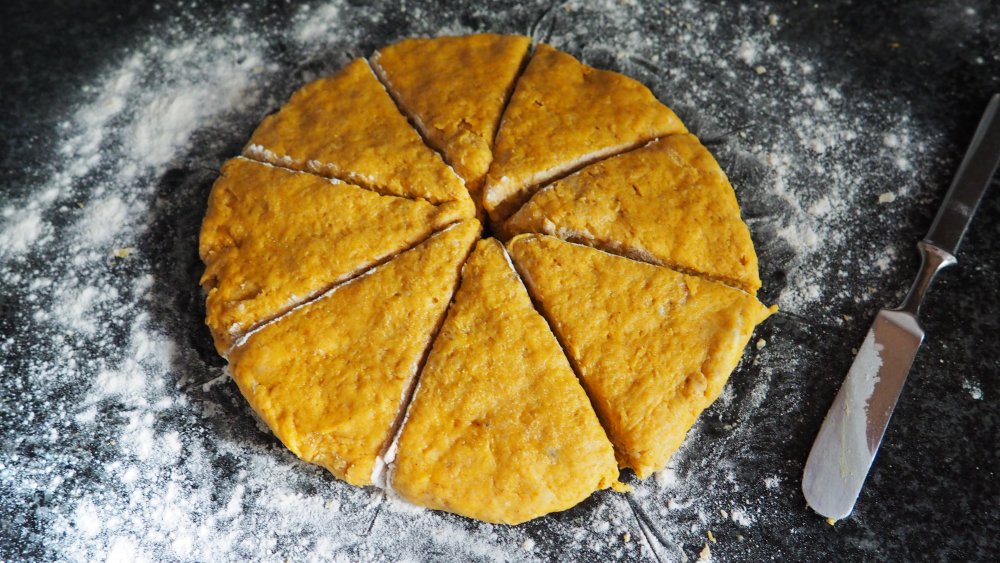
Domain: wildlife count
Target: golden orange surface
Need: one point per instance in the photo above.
(329, 379)
(265, 252)
(364, 330)
(456, 89)
(668, 203)
(653, 354)
(564, 114)
(499, 429)
(347, 127)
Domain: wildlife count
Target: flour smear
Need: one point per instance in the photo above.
(126, 442)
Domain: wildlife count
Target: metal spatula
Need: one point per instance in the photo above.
(852, 431)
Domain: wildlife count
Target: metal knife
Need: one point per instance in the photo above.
(852, 431)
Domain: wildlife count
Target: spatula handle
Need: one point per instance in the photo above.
(970, 183)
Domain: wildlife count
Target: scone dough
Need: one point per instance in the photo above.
(273, 238)
(370, 337)
(564, 114)
(455, 89)
(330, 378)
(504, 433)
(654, 355)
(347, 127)
(668, 203)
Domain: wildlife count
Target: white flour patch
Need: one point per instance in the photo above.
(167, 117)
(666, 477)
(22, 230)
(315, 23)
(102, 219)
(973, 388)
(741, 517)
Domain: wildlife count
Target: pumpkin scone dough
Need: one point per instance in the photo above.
(668, 203)
(330, 378)
(455, 89)
(562, 115)
(376, 337)
(273, 238)
(499, 428)
(346, 126)
(654, 355)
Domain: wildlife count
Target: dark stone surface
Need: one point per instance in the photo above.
(934, 491)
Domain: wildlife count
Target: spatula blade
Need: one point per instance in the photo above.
(852, 431)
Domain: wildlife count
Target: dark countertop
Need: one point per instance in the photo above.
(927, 71)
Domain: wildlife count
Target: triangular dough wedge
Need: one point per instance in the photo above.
(562, 115)
(330, 377)
(499, 428)
(657, 351)
(668, 203)
(455, 89)
(347, 127)
(273, 238)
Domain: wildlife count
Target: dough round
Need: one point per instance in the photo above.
(479, 273)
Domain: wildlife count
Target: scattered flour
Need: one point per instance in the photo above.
(973, 389)
(102, 219)
(167, 118)
(318, 23)
(666, 477)
(22, 230)
(741, 517)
